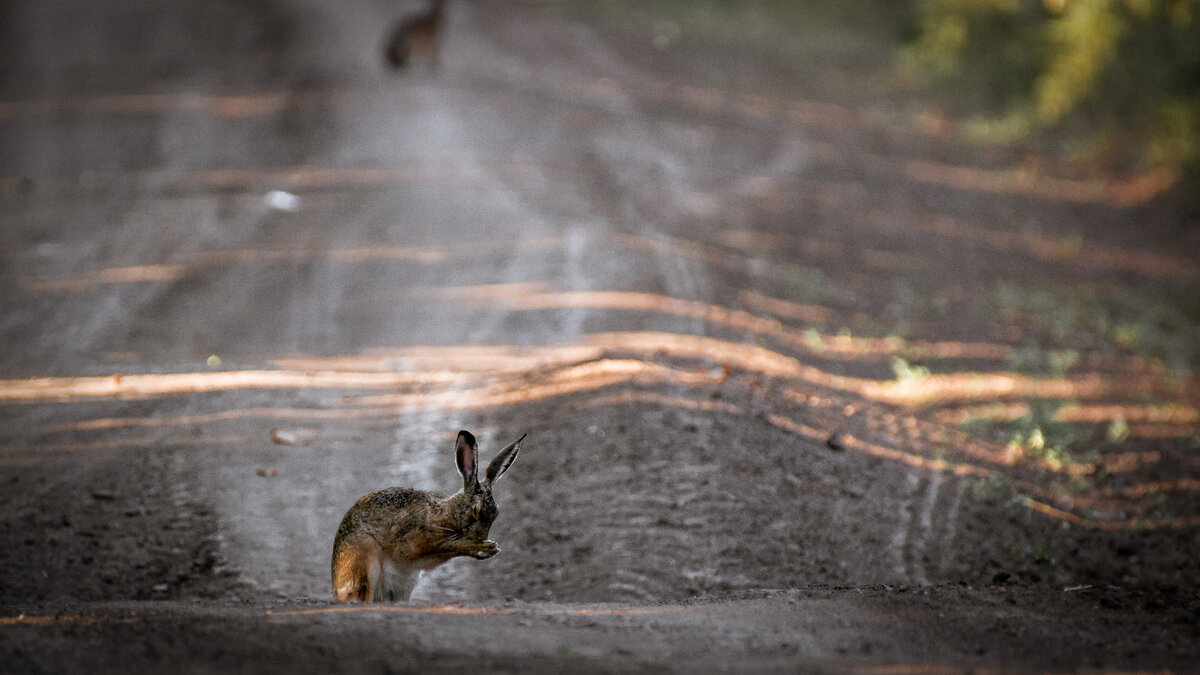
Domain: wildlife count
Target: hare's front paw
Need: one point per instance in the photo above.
(487, 549)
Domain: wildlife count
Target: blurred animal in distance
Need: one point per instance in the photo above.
(418, 34)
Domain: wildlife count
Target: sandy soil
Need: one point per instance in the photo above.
(737, 294)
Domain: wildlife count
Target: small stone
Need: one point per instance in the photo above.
(282, 201)
(282, 437)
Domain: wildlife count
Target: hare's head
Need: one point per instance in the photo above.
(472, 510)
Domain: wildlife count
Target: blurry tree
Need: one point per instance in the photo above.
(1128, 69)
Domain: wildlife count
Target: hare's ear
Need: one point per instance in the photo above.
(465, 454)
(503, 460)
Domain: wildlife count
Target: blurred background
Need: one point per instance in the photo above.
(784, 292)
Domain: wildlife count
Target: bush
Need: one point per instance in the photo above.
(1128, 71)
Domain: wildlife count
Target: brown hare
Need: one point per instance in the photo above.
(418, 34)
(390, 536)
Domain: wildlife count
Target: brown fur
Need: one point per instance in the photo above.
(389, 536)
(419, 34)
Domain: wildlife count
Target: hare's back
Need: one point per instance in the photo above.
(396, 497)
(389, 504)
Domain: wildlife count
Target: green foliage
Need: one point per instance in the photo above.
(906, 372)
(1117, 431)
(1156, 321)
(1127, 66)
(1038, 436)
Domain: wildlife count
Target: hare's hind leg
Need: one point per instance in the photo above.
(357, 569)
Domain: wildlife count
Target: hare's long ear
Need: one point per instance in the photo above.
(465, 454)
(503, 460)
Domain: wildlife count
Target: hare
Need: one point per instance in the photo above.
(419, 33)
(390, 536)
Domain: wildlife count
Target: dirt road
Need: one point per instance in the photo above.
(810, 382)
